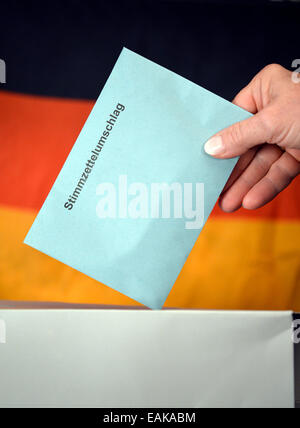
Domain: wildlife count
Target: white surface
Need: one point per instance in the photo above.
(142, 358)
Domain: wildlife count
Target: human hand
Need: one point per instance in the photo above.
(268, 142)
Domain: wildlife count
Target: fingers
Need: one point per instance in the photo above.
(259, 166)
(239, 168)
(263, 169)
(245, 99)
(295, 153)
(279, 176)
(238, 138)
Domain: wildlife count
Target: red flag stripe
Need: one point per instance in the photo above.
(36, 135)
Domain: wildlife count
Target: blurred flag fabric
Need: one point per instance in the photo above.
(245, 260)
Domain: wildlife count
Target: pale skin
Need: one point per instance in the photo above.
(268, 142)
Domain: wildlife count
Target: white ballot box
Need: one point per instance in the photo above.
(60, 355)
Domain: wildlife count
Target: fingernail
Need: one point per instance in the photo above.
(214, 146)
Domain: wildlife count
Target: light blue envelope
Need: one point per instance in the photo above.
(140, 149)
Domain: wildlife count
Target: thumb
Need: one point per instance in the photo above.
(238, 138)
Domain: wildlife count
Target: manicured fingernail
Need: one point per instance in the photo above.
(214, 146)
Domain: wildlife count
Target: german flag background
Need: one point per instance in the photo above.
(58, 57)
